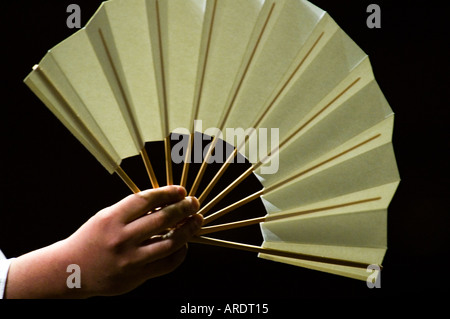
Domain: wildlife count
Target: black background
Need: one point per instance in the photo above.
(50, 184)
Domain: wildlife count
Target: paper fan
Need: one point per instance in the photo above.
(317, 126)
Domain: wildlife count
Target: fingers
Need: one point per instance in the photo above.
(157, 222)
(163, 246)
(165, 265)
(137, 205)
(137, 232)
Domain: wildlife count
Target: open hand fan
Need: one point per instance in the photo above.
(278, 70)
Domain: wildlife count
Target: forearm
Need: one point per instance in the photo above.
(42, 274)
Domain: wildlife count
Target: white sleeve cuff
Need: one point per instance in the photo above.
(4, 268)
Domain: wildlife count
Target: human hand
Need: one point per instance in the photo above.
(117, 249)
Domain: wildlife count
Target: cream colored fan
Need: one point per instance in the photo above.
(143, 69)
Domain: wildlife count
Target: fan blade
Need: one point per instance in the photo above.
(369, 259)
(52, 88)
(231, 37)
(176, 50)
(40, 83)
(282, 253)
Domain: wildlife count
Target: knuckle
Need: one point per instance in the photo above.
(142, 195)
(145, 196)
(124, 263)
(115, 244)
(110, 231)
(105, 216)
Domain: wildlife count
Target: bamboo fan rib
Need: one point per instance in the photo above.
(143, 70)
